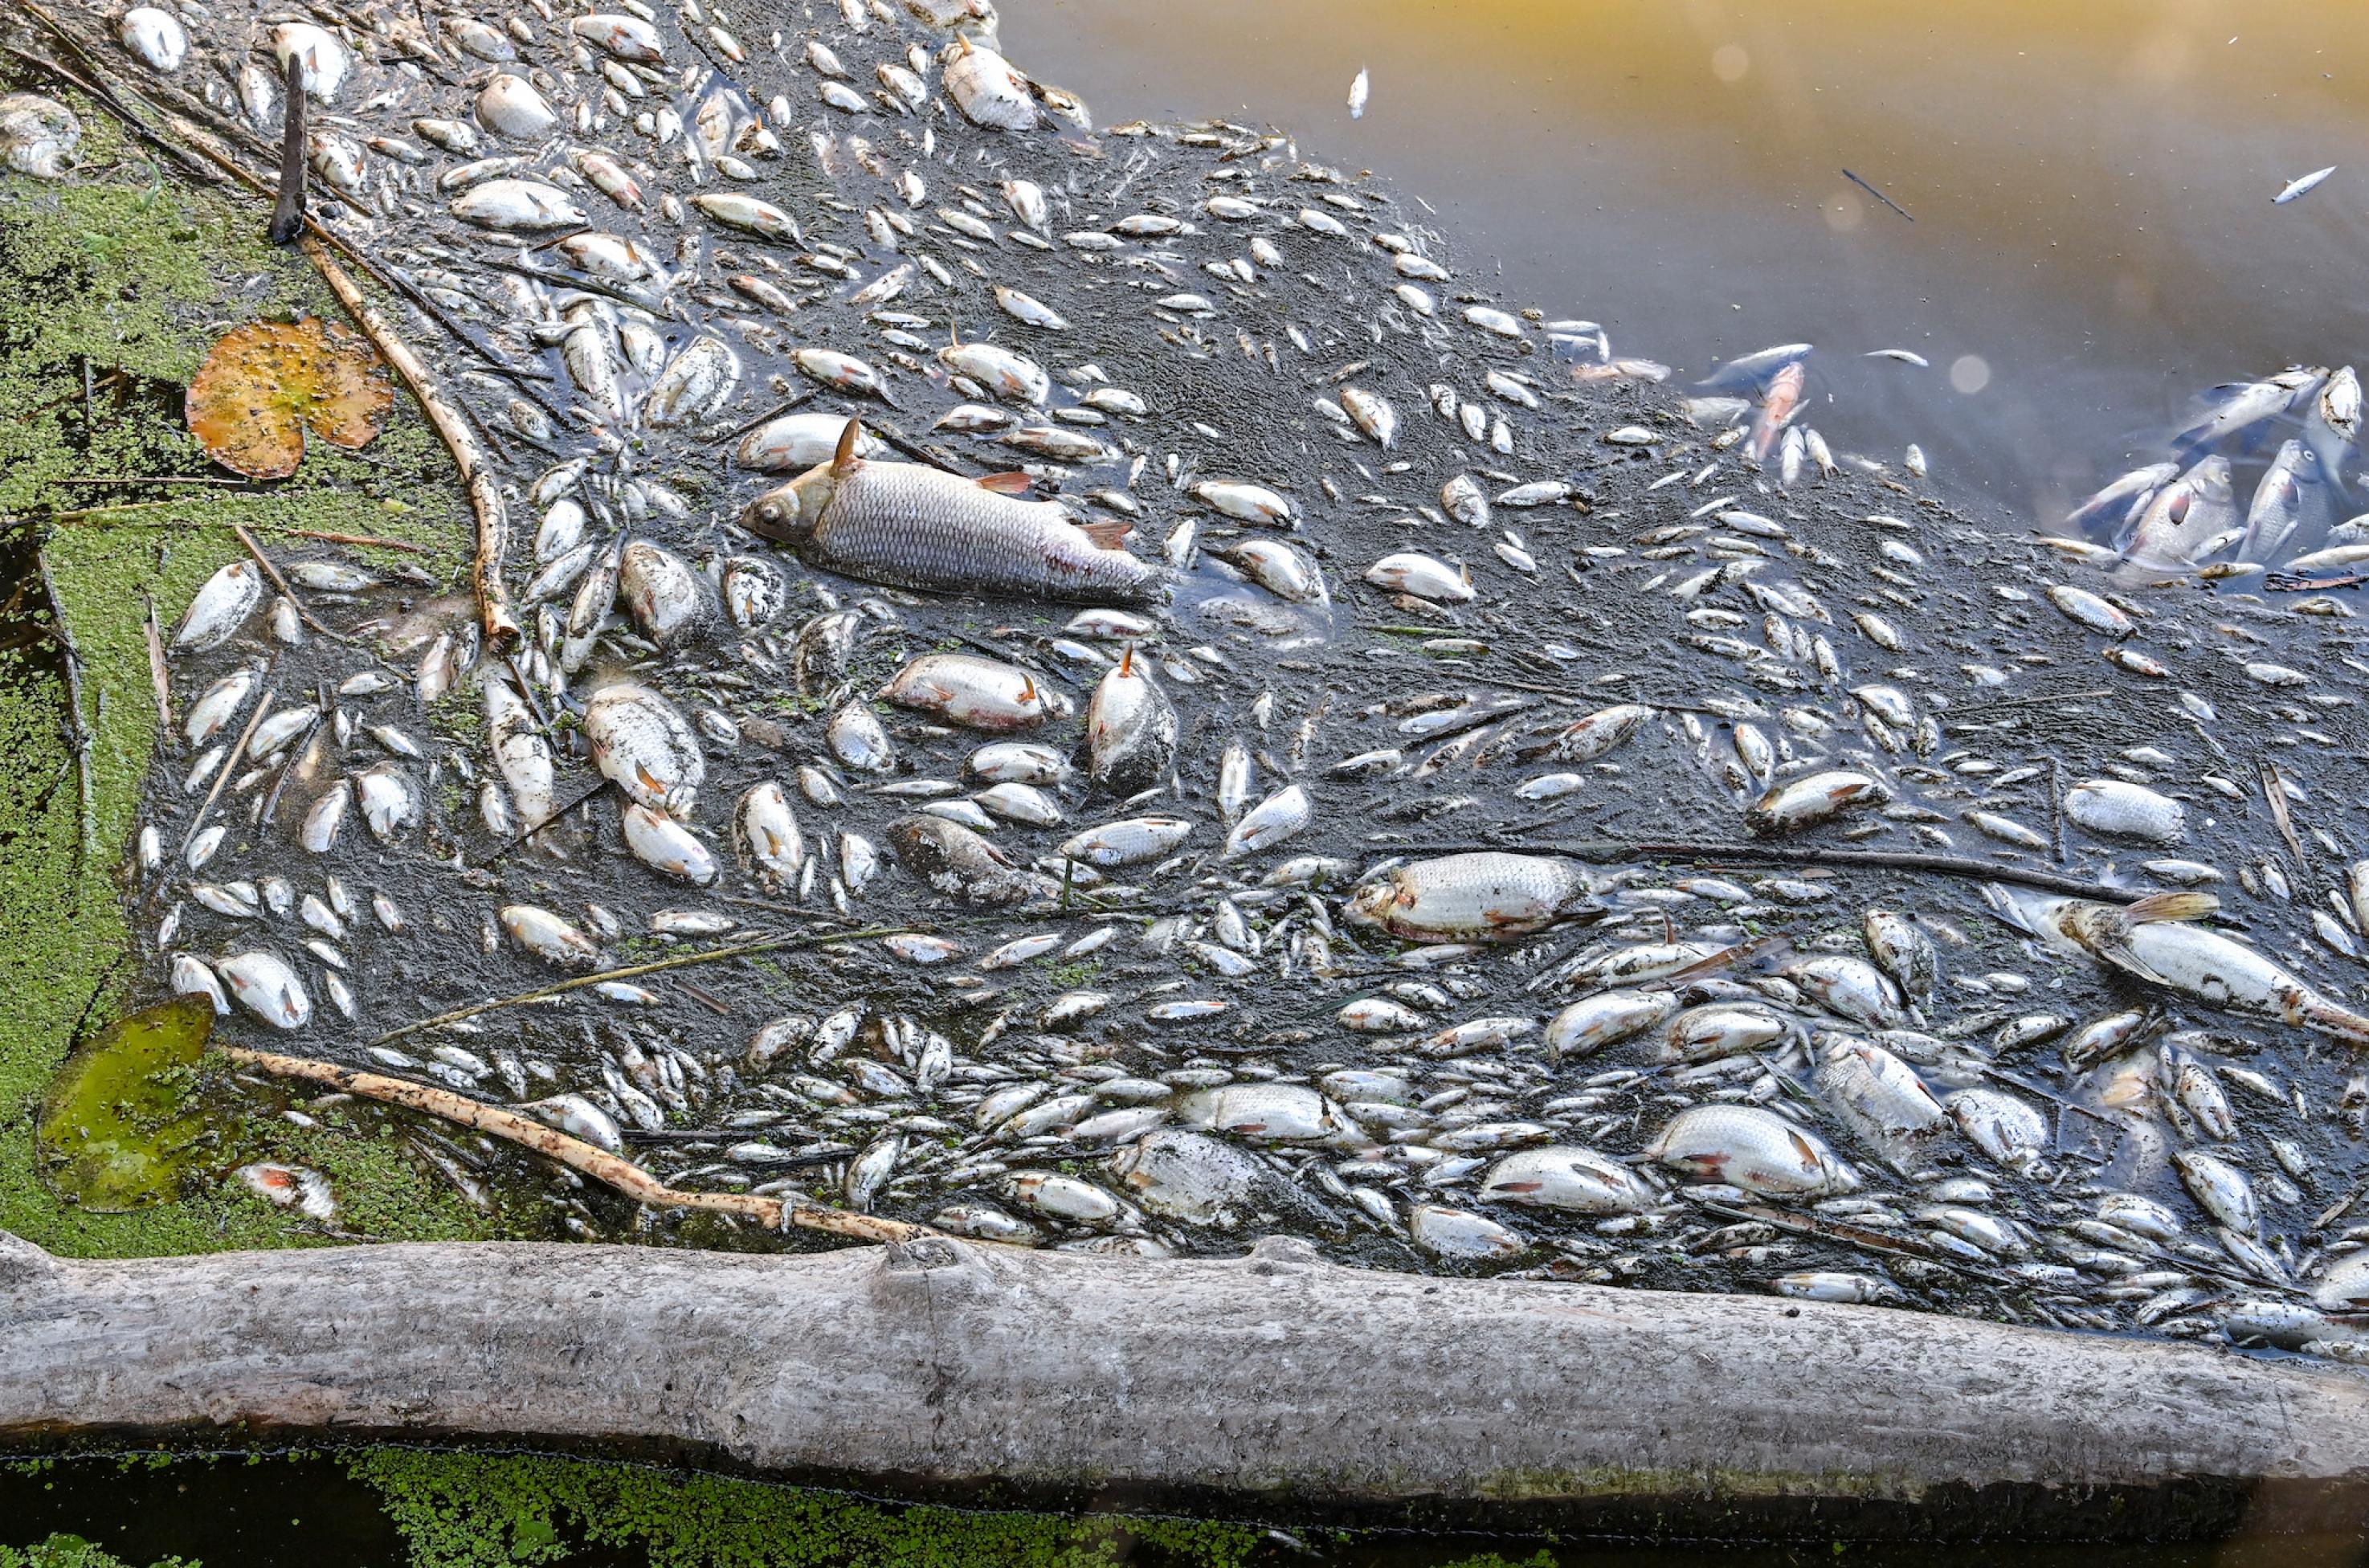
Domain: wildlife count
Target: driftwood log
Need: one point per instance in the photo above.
(1275, 1386)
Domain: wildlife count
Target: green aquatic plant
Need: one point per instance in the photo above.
(118, 1130)
(512, 1511)
(72, 1551)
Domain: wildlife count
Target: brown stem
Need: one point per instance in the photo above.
(633, 971)
(281, 583)
(501, 624)
(229, 766)
(81, 731)
(1601, 851)
(610, 1169)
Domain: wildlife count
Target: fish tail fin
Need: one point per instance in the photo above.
(2172, 907)
(843, 460)
(2327, 1018)
(1108, 533)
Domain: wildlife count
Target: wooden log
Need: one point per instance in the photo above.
(1275, 1385)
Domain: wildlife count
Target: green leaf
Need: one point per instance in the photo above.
(115, 1134)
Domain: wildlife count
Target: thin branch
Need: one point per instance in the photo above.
(501, 624)
(634, 971)
(229, 766)
(82, 742)
(281, 583)
(610, 1169)
(1606, 852)
(288, 215)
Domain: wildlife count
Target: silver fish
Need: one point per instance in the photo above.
(908, 525)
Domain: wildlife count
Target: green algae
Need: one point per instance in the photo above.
(513, 1511)
(72, 1551)
(118, 1130)
(110, 289)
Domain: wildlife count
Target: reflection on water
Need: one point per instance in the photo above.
(2093, 238)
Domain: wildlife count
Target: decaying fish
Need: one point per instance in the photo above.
(913, 526)
(1489, 896)
(2155, 940)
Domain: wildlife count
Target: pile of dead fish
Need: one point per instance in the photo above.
(1129, 574)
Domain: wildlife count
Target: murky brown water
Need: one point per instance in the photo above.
(2094, 237)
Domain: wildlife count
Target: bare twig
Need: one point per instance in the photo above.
(557, 812)
(156, 672)
(137, 480)
(288, 216)
(501, 625)
(610, 1169)
(1856, 1236)
(1604, 852)
(634, 971)
(229, 766)
(82, 742)
(82, 516)
(281, 583)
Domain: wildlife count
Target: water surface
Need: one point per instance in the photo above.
(2093, 238)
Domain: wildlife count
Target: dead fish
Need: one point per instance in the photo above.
(1570, 1178)
(2301, 185)
(2153, 940)
(671, 603)
(1487, 895)
(643, 745)
(795, 442)
(2120, 810)
(220, 608)
(1131, 729)
(1410, 571)
(1244, 501)
(957, 862)
(1806, 802)
(913, 526)
(1756, 1149)
(37, 135)
(987, 90)
(980, 693)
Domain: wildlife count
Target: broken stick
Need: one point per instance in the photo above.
(610, 1169)
(501, 624)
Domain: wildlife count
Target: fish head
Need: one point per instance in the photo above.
(788, 513)
(1371, 904)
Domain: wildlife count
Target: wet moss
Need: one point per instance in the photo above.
(510, 1511)
(110, 290)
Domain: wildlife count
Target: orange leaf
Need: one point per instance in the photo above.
(267, 383)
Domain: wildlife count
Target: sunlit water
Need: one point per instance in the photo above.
(2094, 237)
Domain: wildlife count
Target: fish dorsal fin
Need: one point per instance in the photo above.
(843, 461)
(2172, 907)
(1108, 533)
(1012, 482)
(1127, 662)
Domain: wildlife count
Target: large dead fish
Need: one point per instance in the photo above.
(907, 525)
(1488, 896)
(2151, 939)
